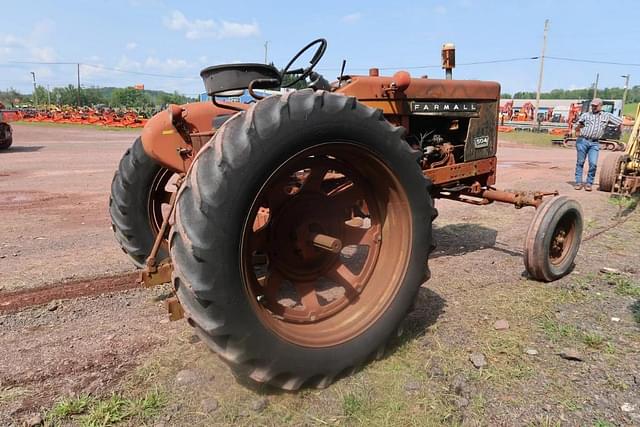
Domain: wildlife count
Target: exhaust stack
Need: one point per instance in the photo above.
(448, 59)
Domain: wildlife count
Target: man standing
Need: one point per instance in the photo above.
(590, 128)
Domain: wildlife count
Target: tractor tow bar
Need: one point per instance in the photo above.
(155, 273)
(477, 195)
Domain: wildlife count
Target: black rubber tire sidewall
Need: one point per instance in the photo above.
(128, 204)
(212, 208)
(541, 230)
(608, 172)
(6, 143)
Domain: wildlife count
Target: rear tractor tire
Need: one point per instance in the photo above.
(553, 239)
(301, 238)
(140, 194)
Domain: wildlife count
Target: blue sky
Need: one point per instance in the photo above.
(176, 39)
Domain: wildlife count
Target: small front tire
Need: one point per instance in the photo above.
(553, 239)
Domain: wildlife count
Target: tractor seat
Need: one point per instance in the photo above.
(227, 77)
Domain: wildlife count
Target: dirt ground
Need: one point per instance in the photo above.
(54, 187)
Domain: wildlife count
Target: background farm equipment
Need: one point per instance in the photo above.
(620, 173)
(611, 138)
(87, 116)
(6, 132)
(296, 230)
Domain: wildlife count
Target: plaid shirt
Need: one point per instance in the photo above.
(596, 124)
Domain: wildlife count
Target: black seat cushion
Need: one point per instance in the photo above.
(222, 78)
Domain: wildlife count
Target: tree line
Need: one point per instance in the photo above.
(104, 96)
(633, 94)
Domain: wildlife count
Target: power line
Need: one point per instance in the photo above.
(101, 67)
(416, 67)
(42, 63)
(119, 70)
(593, 61)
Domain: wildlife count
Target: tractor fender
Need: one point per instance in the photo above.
(165, 136)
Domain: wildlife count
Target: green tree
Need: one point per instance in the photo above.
(8, 97)
(171, 98)
(130, 98)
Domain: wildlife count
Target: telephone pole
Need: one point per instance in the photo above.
(35, 92)
(266, 48)
(78, 85)
(544, 48)
(624, 94)
(595, 86)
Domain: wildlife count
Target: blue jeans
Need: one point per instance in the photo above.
(587, 149)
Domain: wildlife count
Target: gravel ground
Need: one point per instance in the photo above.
(54, 186)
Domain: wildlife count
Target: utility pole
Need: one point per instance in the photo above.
(266, 47)
(544, 48)
(78, 85)
(595, 86)
(624, 94)
(35, 93)
(48, 96)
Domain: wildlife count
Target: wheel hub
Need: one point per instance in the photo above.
(293, 252)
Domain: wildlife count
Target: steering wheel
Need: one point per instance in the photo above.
(304, 72)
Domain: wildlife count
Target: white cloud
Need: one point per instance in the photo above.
(42, 54)
(131, 45)
(351, 18)
(33, 44)
(208, 28)
(237, 30)
(168, 65)
(440, 10)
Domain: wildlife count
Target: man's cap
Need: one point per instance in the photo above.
(596, 101)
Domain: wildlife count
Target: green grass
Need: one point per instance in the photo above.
(10, 393)
(593, 340)
(68, 407)
(528, 138)
(624, 202)
(635, 310)
(73, 125)
(623, 285)
(91, 412)
(555, 331)
(630, 109)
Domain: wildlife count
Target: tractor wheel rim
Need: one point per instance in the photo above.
(310, 295)
(159, 198)
(563, 238)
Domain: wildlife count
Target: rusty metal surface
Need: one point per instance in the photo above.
(481, 127)
(517, 198)
(367, 88)
(316, 266)
(165, 143)
(176, 312)
(485, 168)
(155, 275)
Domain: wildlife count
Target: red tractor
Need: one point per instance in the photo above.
(296, 230)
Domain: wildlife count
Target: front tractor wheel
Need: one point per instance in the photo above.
(301, 238)
(553, 239)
